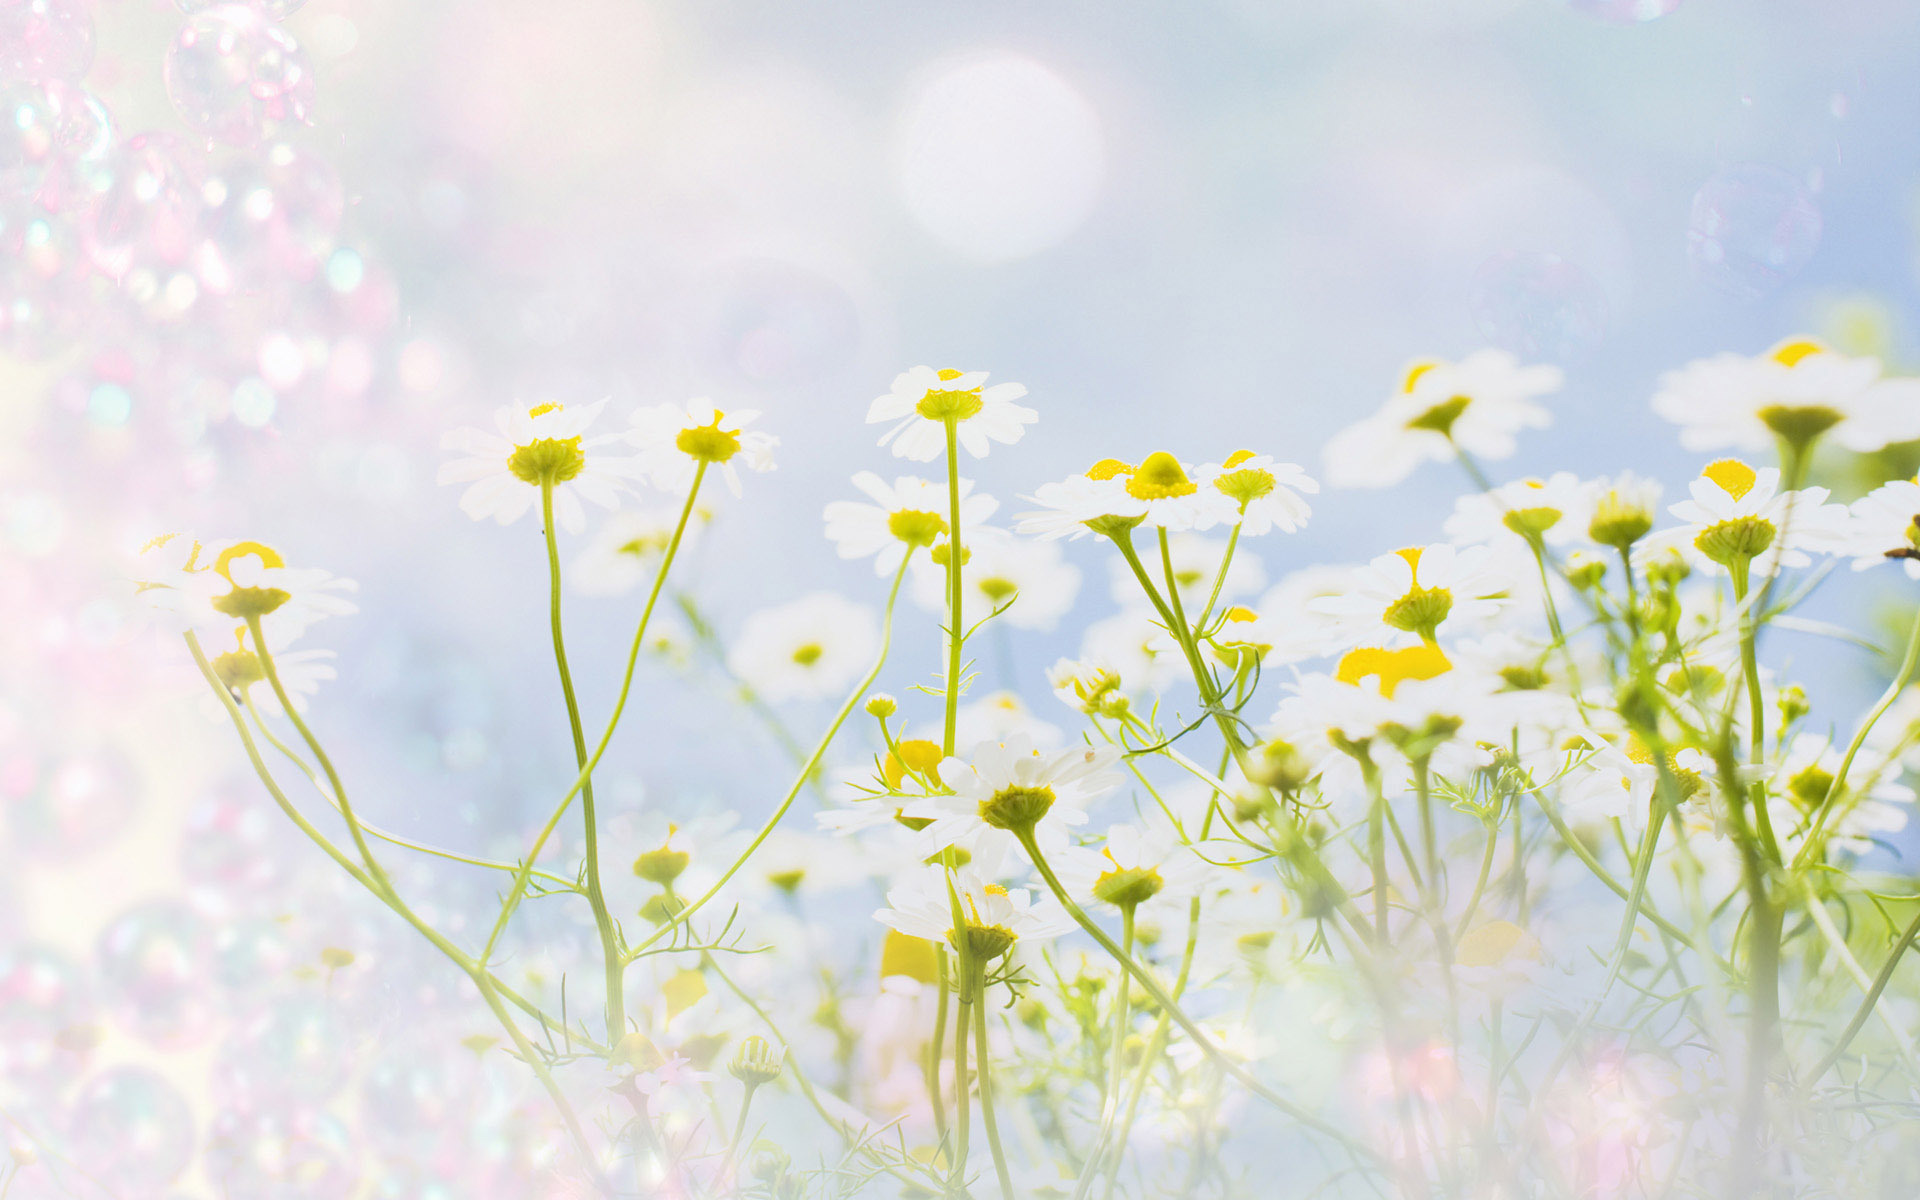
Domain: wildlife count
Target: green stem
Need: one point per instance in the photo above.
(1817, 828)
(988, 1122)
(1220, 576)
(616, 1014)
(935, 1045)
(1756, 712)
(956, 630)
(1867, 1003)
(962, 1087)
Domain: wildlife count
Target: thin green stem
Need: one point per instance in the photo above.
(984, 1069)
(962, 1086)
(1867, 1003)
(1756, 712)
(956, 556)
(936, 1046)
(1908, 661)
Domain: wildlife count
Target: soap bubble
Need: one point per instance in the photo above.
(292, 1050)
(148, 210)
(1751, 229)
(46, 1018)
(270, 215)
(1626, 12)
(52, 135)
(81, 804)
(151, 970)
(232, 73)
(1537, 305)
(225, 840)
(131, 1128)
(283, 1155)
(45, 39)
(252, 955)
(273, 8)
(414, 1098)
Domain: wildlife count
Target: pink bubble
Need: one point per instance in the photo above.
(45, 39)
(131, 1128)
(232, 73)
(80, 805)
(46, 1018)
(147, 214)
(152, 968)
(294, 1154)
(270, 216)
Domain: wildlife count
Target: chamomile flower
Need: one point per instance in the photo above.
(1137, 647)
(1088, 685)
(806, 649)
(1266, 491)
(1796, 392)
(1196, 564)
(1000, 716)
(626, 549)
(1554, 510)
(239, 670)
(905, 514)
(1012, 785)
(1411, 698)
(210, 585)
(1416, 590)
(1885, 524)
(1621, 509)
(674, 441)
(993, 919)
(544, 446)
(923, 401)
(1478, 405)
(1299, 630)
(1114, 496)
(1873, 804)
(1737, 515)
(1131, 867)
(999, 568)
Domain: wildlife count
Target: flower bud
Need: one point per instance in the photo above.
(881, 705)
(755, 1063)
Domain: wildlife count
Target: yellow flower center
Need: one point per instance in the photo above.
(709, 443)
(1392, 667)
(808, 654)
(1790, 352)
(541, 410)
(547, 461)
(1160, 477)
(940, 404)
(266, 554)
(1415, 371)
(916, 755)
(916, 527)
(1732, 476)
(1107, 468)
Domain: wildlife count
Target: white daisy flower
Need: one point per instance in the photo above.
(1000, 567)
(1115, 496)
(301, 673)
(1415, 591)
(1012, 785)
(1196, 562)
(1133, 866)
(806, 649)
(674, 440)
(625, 550)
(1555, 510)
(907, 513)
(1797, 391)
(1885, 524)
(994, 917)
(1478, 404)
(1134, 645)
(1299, 630)
(1090, 686)
(923, 400)
(1873, 804)
(209, 585)
(1738, 514)
(545, 444)
(1266, 491)
(1409, 692)
(999, 717)
(1621, 510)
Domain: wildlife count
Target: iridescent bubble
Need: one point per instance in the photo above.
(413, 1098)
(1538, 305)
(45, 39)
(273, 8)
(53, 135)
(131, 1128)
(225, 840)
(271, 215)
(289, 1155)
(1626, 12)
(1751, 229)
(148, 211)
(292, 1051)
(152, 966)
(232, 73)
(46, 1018)
(81, 804)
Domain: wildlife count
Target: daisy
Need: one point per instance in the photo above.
(301, 673)
(999, 568)
(993, 918)
(1000, 716)
(1298, 630)
(1554, 510)
(1737, 515)
(1137, 648)
(674, 441)
(1196, 563)
(1411, 698)
(544, 446)
(806, 649)
(1885, 524)
(625, 550)
(1796, 392)
(906, 514)
(1133, 866)
(209, 585)
(1088, 685)
(1011, 785)
(1266, 491)
(1873, 804)
(1477, 404)
(1114, 496)
(1416, 590)
(1622, 509)
(923, 401)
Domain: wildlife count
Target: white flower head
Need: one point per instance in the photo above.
(1132, 867)
(1884, 525)
(992, 917)
(1013, 785)
(1267, 492)
(1135, 646)
(1115, 496)
(208, 585)
(999, 568)
(1000, 716)
(1797, 391)
(1478, 405)
(627, 548)
(675, 441)
(905, 514)
(1196, 563)
(806, 649)
(1735, 514)
(1555, 510)
(1415, 591)
(1297, 630)
(544, 446)
(923, 401)
(242, 673)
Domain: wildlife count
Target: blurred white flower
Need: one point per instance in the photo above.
(1266, 491)
(674, 440)
(905, 514)
(1196, 563)
(999, 716)
(1797, 391)
(1885, 524)
(922, 401)
(1477, 404)
(544, 445)
(805, 649)
(1555, 509)
(208, 585)
(1000, 567)
(1135, 646)
(626, 549)
(1415, 591)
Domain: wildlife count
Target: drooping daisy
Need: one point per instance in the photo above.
(1012, 785)
(1885, 524)
(542, 446)
(1554, 510)
(923, 401)
(806, 649)
(1266, 491)
(999, 567)
(1115, 496)
(1477, 404)
(301, 673)
(625, 550)
(1196, 564)
(210, 585)
(1131, 867)
(905, 514)
(993, 919)
(1795, 392)
(1737, 515)
(675, 440)
(1416, 590)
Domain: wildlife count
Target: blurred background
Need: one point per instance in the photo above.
(257, 259)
